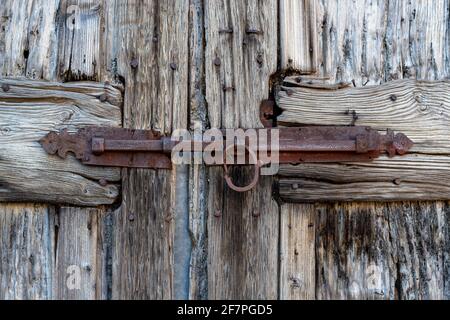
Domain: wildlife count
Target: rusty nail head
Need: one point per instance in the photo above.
(218, 213)
(217, 62)
(290, 92)
(5, 87)
(173, 66)
(260, 59)
(134, 63)
(103, 182)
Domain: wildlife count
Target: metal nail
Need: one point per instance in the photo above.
(134, 63)
(5, 87)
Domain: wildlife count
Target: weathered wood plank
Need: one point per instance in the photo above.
(28, 111)
(407, 106)
(198, 215)
(377, 251)
(241, 51)
(79, 33)
(28, 41)
(151, 51)
(27, 251)
(80, 266)
(298, 35)
(413, 177)
(297, 255)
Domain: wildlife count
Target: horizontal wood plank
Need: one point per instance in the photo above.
(420, 109)
(28, 111)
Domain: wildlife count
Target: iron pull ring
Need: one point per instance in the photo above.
(256, 176)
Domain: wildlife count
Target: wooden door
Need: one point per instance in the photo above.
(378, 231)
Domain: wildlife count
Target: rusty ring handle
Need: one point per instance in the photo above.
(255, 178)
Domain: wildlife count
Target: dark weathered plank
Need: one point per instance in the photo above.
(27, 251)
(241, 51)
(377, 251)
(150, 48)
(198, 216)
(31, 109)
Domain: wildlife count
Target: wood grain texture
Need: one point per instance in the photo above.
(297, 252)
(298, 35)
(80, 263)
(370, 42)
(27, 251)
(377, 251)
(150, 48)
(31, 109)
(406, 106)
(79, 32)
(198, 217)
(241, 54)
(28, 41)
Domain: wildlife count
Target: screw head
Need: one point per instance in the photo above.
(134, 63)
(295, 186)
(131, 217)
(218, 213)
(103, 182)
(393, 98)
(217, 62)
(5, 87)
(173, 66)
(103, 98)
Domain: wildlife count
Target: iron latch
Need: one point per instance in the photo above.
(118, 147)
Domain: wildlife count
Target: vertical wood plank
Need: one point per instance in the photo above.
(26, 251)
(28, 41)
(298, 35)
(150, 52)
(80, 268)
(297, 255)
(198, 276)
(241, 54)
(80, 32)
